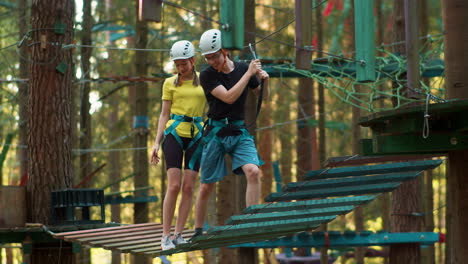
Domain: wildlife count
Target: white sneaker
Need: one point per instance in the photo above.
(166, 243)
(179, 240)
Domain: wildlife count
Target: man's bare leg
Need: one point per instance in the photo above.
(202, 204)
(252, 193)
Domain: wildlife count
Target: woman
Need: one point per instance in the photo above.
(180, 122)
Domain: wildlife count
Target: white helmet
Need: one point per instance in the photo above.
(210, 41)
(182, 49)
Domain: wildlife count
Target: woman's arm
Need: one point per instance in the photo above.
(163, 118)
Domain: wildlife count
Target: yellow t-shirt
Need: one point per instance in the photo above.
(186, 100)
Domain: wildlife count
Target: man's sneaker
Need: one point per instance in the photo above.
(178, 239)
(198, 232)
(166, 243)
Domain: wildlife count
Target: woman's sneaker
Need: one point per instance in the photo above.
(166, 243)
(178, 240)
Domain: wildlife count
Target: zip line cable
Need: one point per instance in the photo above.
(193, 12)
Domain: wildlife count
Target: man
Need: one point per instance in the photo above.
(224, 84)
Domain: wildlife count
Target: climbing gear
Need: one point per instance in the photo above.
(210, 41)
(178, 240)
(183, 118)
(182, 49)
(195, 121)
(260, 97)
(166, 243)
(216, 126)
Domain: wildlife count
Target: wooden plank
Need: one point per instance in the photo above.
(353, 181)
(331, 192)
(130, 241)
(121, 235)
(296, 214)
(120, 240)
(449, 107)
(101, 232)
(299, 205)
(372, 169)
(129, 248)
(416, 144)
(186, 235)
(365, 40)
(105, 229)
(267, 225)
(346, 240)
(363, 160)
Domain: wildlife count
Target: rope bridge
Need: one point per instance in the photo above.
(300, 206)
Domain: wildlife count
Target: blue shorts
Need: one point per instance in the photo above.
(213, 164)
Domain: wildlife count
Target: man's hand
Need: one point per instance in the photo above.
(263, 75)
(254, 67)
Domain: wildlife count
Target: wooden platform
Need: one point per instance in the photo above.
(400, 131)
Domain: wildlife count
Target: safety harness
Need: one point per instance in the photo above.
(195, 121)
(216, 126)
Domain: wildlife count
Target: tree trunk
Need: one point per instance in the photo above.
(306, 148)
(49, 140)
(428, 252)
(23, 88)
(283, 114)
(384, 198)
(405, 199)
(85, 134)
(356, 135)
(248, 255)
(226, 204)
(209, 255)
(359, 211)
(306, 145)
(456, 61)
(321, 89)
(114, 169)
(140, 140)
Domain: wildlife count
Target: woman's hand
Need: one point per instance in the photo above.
(154, 160)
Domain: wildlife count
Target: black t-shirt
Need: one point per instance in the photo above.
(210, 78)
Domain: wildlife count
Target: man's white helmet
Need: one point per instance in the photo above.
(182, 49)
(210, 41)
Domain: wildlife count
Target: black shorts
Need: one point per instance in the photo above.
(174, 154)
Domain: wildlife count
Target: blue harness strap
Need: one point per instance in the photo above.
(183, 118)
(217, 125)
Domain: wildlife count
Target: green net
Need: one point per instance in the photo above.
(389, 90)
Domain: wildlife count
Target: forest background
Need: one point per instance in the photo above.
(108, 86)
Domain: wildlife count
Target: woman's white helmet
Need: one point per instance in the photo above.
(182, 49)
(210, 41)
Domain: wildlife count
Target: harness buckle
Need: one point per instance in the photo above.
(188, 119)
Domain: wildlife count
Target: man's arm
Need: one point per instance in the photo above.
(231, 95)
